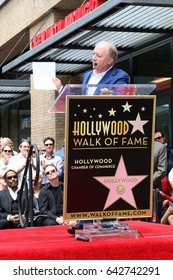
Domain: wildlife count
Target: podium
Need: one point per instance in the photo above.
(103, 89)
(109, 139)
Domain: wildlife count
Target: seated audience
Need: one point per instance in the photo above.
(167, 189)
(9, 214)
(51, 197)
(168, 215)
(160, 167)
(36, 191)
(160, 137)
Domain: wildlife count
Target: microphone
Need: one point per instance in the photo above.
(73, 77)
(69, 81)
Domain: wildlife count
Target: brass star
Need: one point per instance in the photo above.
(126, 107)
(112, 112)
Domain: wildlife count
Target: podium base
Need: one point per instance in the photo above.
(110, 231)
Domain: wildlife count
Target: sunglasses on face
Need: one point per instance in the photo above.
(7, 151)
(158, 138)
(12, 177)
(33, 152)
(50, 172)
(49, 144)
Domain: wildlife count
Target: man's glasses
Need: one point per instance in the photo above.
(50, 172)
(49, 144)
(7, 151)
(12, 177)
(158, 138)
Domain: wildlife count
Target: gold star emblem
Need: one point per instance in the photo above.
(126, 107)
(112, 112)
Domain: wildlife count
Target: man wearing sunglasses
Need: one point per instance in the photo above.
(160, 137)
(160, 167)
(165, 186)
(51, 198)
(9, 215)
(49, 157)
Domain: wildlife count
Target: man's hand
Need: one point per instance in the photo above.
(43, 164)
(14, 219)
(60, 221)
(57, 83)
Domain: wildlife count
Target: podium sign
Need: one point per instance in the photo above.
(109, 156)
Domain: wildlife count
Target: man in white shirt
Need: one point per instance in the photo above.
(104, 70)
(18, 162)
(50, 157)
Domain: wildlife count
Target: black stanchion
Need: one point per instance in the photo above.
(26, 186)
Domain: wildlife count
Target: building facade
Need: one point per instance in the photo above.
(29, 118)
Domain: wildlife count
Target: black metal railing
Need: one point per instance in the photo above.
(26, 186)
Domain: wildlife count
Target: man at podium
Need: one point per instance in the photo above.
(104, 71)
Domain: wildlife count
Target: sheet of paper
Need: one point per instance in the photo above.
(43, 73)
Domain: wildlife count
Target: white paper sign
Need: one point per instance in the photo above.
(43, 73)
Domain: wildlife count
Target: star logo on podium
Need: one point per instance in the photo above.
(120, 185)
(112, 112)
(126, 107)
(138, 124)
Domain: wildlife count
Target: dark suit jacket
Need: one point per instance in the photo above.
(48, 205)
(169, 158)
(5, 203)
(113, 76)
(160, 163)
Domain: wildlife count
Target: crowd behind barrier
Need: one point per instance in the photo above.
(47, 208)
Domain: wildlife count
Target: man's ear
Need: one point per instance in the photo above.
(111, 61)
